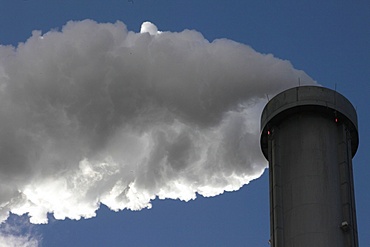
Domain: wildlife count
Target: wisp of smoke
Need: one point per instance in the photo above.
(18, 232)
(95, 114)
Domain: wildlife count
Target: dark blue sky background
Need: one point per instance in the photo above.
(329, 40)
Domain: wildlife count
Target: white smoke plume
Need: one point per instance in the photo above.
(95, 114)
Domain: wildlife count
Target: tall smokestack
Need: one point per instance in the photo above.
(309, 136)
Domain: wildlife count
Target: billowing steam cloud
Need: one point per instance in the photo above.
(97, 114)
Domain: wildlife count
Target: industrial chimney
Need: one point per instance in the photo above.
(309, 136)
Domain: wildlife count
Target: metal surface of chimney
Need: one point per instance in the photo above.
(309, 136)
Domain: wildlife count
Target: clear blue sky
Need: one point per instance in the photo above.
(328, 40)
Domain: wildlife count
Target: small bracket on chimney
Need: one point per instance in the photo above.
(345, 226)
